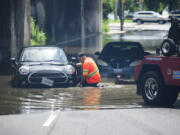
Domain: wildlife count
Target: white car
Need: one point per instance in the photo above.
(149, 16)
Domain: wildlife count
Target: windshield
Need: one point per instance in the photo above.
(122, 51)
(40, 54)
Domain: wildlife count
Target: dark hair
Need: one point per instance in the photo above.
(81, 54)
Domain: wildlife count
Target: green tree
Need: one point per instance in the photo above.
(131, 5)
(172, 4)
(107, 8)
(159, 5)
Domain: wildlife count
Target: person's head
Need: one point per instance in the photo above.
(81, 57)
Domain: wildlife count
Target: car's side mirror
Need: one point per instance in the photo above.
(12, 60)
(97, 53)
(73, 59)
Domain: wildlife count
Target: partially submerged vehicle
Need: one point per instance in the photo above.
(117, 60)
(44, 65)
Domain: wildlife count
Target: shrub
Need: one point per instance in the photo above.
(38, 36)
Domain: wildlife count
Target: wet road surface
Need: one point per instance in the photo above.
(37, 99)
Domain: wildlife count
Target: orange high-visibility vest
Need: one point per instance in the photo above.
(91, 71)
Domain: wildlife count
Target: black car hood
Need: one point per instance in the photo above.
(35, 67)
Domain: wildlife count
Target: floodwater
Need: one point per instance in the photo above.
(36, 99)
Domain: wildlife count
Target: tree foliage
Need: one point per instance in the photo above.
(133, 5)
(159, 5)
(171, 4)
(107, 8)
(38, 37)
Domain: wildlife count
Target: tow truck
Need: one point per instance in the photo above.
(158, 76)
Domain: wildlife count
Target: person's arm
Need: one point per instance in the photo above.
(79, 64)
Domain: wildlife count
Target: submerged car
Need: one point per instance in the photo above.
(45, 65)
(118, 59)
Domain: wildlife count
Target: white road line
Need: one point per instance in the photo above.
(49, 120)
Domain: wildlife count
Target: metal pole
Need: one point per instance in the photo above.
(82, 27)
(121, 14)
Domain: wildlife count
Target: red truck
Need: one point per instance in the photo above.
(158, 77)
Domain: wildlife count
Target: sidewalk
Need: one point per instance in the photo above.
(115, 27)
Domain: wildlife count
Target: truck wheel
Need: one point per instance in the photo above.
(154, 91)
(152, 88)
(168, 47)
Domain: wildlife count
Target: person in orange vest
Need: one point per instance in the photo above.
(90, 74)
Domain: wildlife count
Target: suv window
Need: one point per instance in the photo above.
(145, 13)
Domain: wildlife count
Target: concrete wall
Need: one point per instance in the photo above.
(70, 23)
(75, 23)
(14, 28)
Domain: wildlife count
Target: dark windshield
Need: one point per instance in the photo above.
(122, 51)
(43, 54)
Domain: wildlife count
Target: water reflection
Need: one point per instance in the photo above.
(33, 100)
(150, 39)
(91, 98)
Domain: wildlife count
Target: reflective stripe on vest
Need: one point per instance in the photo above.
(85, 71)
(92, 73)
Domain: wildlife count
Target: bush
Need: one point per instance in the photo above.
(38, 36)
(105, 27)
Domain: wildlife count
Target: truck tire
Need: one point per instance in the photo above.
(168, 47)
(154, 91)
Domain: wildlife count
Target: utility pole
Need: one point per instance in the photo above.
(121, 13)
(141, 4)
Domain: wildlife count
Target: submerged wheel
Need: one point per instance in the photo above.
(168, 47)
(154, 91)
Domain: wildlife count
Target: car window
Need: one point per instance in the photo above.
(39, 54)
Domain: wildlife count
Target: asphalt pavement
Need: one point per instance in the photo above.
(144, 121)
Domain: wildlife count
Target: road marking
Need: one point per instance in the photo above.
(50, 120)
